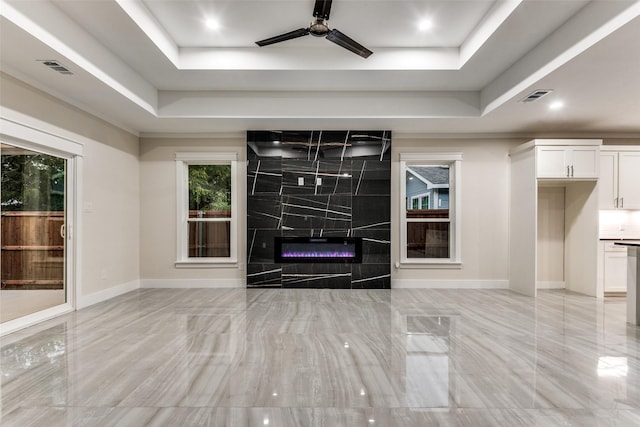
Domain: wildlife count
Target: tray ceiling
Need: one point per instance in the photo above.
(154, 66)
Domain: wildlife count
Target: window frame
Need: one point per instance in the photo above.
(183, 161)
(454, 161)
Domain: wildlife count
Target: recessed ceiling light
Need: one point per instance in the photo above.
(212, 24)
(425, 24)
(556, 105)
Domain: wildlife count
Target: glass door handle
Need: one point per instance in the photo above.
(62, 231)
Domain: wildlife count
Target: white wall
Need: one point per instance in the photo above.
(110, 241)
(485, 214)
(158, 211)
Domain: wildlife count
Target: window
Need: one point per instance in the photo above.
(419, 202)
(430, 208)
(207, 200)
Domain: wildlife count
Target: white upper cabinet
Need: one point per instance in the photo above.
(552, 162)
(567, 162)
(619, 184)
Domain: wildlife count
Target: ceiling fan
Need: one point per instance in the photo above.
(319, 28)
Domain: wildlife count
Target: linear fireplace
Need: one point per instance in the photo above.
(317, 249)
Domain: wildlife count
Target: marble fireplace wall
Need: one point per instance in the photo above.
(352, 199)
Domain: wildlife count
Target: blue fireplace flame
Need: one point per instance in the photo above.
(318, 254)
(318, 249)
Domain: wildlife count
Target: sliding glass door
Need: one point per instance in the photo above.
(33, 199)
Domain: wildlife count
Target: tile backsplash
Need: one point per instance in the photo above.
(620, 224)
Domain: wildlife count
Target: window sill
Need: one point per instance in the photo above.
(209, 263)
(430, 264)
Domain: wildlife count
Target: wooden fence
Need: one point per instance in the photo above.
(32, 254)
(428, 239)
(209, 239)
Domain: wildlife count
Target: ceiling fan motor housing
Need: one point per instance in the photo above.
(318, 28)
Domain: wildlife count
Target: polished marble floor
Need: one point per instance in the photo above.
(283, 357)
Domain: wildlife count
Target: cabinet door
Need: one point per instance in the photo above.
(615, 271)
(552, 162)
(608, 181)
(584, 162)
(629, 180)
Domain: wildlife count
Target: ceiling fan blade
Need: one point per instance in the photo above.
(322, 9)
(348, 43)
(282, 37)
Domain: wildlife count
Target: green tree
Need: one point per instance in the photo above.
(32, 182)
(209, 187)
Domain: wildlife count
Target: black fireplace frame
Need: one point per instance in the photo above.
(280, 242)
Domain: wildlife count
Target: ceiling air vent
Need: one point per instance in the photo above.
(56, 66)
(536, 94)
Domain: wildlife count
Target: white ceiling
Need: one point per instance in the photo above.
(242, 21)
(153, 67)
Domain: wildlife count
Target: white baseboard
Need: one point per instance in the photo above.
(448, 284)
(96, 297)
(192, 283)
(550, 285)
